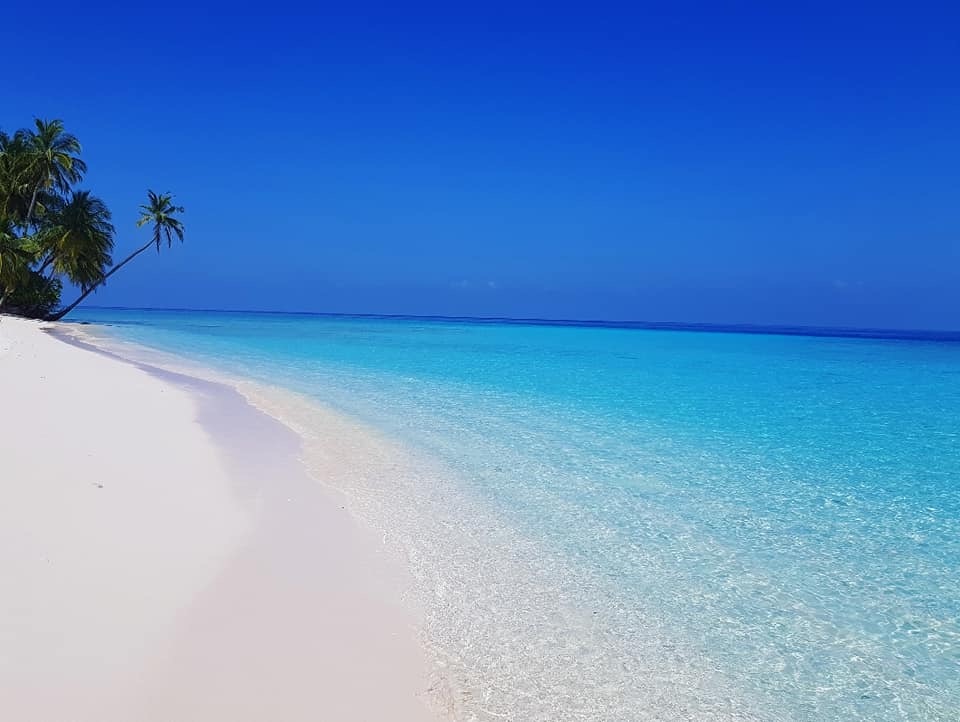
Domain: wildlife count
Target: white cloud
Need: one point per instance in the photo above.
(465, 283)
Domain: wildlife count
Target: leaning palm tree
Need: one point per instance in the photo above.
(160, 212)
(52, 161)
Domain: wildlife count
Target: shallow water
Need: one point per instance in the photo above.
(621, 524)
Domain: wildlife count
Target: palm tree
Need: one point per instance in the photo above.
(160, 211)
(162, 214)
(52, 162)
(15, 192)
(14, 259)
(78, 239)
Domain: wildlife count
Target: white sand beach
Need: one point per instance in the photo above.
(164, 555)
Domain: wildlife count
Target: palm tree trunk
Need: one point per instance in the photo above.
(57, 315)
(33, 205)
(45, 264)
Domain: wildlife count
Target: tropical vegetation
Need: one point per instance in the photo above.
(55, 235)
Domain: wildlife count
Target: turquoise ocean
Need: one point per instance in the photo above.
(646, 522)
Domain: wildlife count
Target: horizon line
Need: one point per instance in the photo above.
(693, 326)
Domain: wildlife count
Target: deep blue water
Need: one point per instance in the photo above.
(789, 504)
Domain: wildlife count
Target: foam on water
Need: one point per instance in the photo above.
(615, 524)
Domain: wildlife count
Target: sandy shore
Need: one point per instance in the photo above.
(164, 555)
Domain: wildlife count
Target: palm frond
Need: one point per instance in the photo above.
(79, 239)
(160, 211)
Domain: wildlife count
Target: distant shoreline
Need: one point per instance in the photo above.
(603, 523)
(752, 329)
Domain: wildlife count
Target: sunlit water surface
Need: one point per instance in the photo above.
(649, 523)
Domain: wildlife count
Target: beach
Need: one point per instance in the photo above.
(164, 555)
(236, 515)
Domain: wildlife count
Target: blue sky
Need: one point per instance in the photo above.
(663, 162)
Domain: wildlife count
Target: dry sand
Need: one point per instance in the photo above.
(164, 556)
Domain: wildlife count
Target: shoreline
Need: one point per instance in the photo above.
(220, 581)
(508, 624)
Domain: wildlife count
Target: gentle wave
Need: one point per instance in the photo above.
(613, 524)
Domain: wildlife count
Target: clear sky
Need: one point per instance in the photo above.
(724, 162)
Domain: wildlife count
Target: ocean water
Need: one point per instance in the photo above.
(647, 523)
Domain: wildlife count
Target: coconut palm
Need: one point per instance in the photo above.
(160, 212)
(52, 163)
(49, 233)
(14, 259)
(76, 239)
(15, 190)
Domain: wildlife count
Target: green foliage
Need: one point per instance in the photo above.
(54, 162)
(14, 187)
(78, 239)
(160, 211)
(14, 257)
(49, 231)
(36, 166)
(35, 296)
